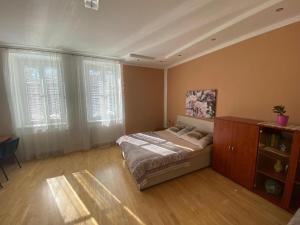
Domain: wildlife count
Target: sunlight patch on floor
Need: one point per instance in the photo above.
(92, 191)
(85, 178)
(68, 202)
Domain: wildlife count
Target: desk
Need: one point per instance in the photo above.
(4, 138)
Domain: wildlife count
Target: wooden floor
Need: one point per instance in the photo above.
(95, 187)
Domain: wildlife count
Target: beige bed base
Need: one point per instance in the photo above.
(199, 161)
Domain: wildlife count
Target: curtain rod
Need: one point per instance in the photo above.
(15, 47)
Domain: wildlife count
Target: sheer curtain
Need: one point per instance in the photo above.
(96, 97)
(61, 103)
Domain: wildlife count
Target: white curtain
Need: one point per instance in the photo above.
(62, 103)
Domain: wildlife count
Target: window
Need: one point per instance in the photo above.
(39, 84)
(103, 91)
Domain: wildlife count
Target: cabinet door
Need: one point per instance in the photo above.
(292, 191)
(221, 146)
(243, 154)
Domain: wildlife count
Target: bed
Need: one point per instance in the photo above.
(155, 157)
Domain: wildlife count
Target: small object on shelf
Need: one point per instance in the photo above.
(274, 140)
(286, 168)
(282, 119)
(283, 147)
(273, 187)
(278, 166)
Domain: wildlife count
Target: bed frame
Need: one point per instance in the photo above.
(198, 162)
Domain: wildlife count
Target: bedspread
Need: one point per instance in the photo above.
(145, 152)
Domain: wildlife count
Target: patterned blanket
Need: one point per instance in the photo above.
(145, 152)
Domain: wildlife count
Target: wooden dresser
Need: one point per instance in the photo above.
(235, 148)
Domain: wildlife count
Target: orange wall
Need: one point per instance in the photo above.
(251, 77)
(143, 90)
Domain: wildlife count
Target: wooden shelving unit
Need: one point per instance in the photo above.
(278, 145)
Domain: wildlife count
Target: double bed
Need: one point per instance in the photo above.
(155, 157)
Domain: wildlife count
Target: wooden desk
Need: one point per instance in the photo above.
(4, 138)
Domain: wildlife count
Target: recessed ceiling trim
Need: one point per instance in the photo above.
(240, 39)
(182, 10)
(142, 65)
(137, 56)
(224, 26)
(52, 50)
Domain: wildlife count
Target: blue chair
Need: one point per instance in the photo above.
(8, 150)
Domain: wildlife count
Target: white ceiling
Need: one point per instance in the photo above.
(162, 29)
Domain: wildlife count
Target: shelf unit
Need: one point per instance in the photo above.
(277, 174)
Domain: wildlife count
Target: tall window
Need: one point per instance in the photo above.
(38, 89)
(103, 91)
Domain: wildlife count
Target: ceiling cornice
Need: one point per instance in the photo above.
(240, 39)
(229, 23)
(56, 50)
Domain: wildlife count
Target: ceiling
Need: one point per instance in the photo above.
(170, 31)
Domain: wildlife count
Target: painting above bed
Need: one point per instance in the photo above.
(201, 103)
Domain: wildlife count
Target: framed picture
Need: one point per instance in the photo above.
(201, 103)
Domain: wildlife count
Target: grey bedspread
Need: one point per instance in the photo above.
(145, 152)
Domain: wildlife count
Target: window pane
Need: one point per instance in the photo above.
(34, 96)
(102, 91)
(39, 96)
(55, 95)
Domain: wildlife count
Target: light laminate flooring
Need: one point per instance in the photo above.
(95, 187)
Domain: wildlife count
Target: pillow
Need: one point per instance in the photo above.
(202, 142)
(206, 140)
(196, 134)
(184, 131)
(180, 128)
(174, 130)
(180, 125)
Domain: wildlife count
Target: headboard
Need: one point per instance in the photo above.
(205, 125)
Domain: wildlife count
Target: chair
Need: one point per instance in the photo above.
(7, 150)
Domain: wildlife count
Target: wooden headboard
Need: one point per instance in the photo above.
(204, 125)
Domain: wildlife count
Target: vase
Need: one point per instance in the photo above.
(278, 166)
(273, 187)
(282, 120)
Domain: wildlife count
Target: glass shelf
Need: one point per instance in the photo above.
(276, 176)
(274, 151)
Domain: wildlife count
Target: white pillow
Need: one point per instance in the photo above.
(184, 131)
(173, 130)
(202, 142)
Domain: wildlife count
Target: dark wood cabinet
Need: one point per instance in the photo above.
(235, 148)
(262, 157)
